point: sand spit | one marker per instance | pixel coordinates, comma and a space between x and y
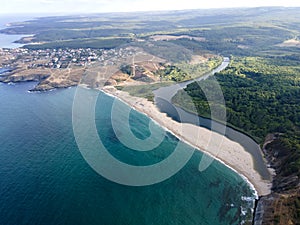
229, 152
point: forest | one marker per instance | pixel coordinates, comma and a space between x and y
261, 85
224, 31
262, 97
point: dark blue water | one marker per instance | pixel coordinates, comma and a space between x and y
45, 180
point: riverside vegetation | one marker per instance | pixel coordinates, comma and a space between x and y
261, 86
262, 98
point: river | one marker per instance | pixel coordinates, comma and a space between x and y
163, 97
45, 179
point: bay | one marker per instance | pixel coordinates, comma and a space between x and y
45, 180
7, 41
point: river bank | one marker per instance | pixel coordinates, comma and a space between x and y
163, 100
229, 152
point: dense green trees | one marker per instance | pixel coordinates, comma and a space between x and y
107, 43
262, 96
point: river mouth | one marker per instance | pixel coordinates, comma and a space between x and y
47, 187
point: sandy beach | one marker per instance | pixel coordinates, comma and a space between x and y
223, 149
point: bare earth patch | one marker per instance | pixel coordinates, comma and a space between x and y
290, 43
173, 37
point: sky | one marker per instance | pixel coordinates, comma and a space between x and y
92, 6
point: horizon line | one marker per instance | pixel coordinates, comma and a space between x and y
138, 11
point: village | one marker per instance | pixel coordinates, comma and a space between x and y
60, 68
59, 58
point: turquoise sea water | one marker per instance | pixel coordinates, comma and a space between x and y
45, 180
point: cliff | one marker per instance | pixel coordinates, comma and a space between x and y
282, 206
47, 78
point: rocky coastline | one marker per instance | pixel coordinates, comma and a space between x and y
276, 206
280, 206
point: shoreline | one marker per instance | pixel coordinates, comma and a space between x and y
220, 122
235, 156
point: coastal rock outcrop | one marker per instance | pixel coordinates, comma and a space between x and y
23, 78
282, 205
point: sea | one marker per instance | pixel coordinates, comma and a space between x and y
46, 180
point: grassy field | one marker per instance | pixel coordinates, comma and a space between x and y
257, 31
261, 86
144, 91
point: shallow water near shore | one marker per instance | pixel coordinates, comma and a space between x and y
45, 180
